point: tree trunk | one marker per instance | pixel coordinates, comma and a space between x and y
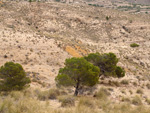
77, 89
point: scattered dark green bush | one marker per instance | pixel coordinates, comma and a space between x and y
13, 77
134, 45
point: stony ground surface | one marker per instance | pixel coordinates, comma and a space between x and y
40, 36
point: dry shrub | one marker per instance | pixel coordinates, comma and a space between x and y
125, 99
139, 91
148, 86
67, 101
102, 94
136, 100
86, 102
125, 82
49, 94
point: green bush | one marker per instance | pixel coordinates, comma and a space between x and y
119, 72
78, 72
13, 77
134, 45
108, 17
107, 63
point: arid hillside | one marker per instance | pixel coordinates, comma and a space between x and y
40, 36
146, 2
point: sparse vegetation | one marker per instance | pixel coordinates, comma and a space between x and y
40, 35
134, 45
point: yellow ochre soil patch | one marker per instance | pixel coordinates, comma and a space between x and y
72, 51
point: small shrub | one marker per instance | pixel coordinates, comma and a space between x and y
148, 101
130, 91
125, 99
102, 94
134, 45
125, 82
114, 83
148, 86
134, 83
67, 102
139, 91
123, 91
42, 95
86, 102
108, 17
136, 100
120, 72
49, 94
53, 93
